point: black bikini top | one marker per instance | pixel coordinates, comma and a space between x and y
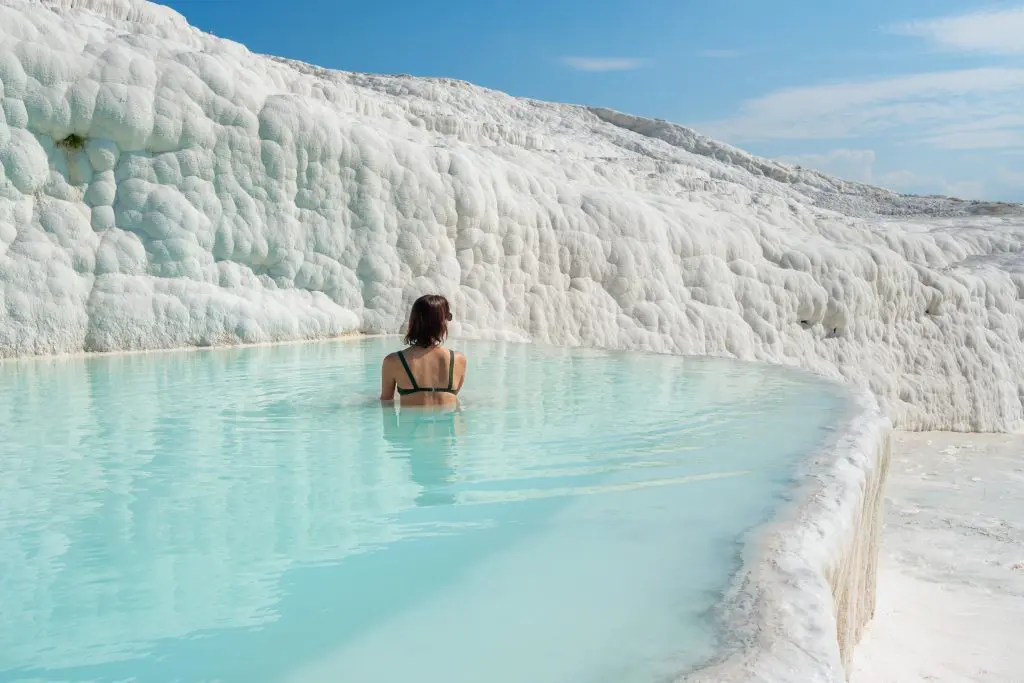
450, 389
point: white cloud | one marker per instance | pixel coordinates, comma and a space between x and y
966, 189
1011, 178
992, 31
922, 106
979, 139
901, 181
849, 164
859, 165
1003, 132
915, 183
976, 113
603, 63
719, 54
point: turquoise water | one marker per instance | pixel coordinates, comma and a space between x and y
256, 515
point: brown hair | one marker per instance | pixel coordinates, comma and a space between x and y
428, 321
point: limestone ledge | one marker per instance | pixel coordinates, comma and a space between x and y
807, 587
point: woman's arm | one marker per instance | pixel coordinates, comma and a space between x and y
387, 380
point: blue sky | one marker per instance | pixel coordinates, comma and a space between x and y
918, 95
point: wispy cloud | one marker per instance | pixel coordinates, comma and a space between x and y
859, 165
996, 138
914, 183
849, 164
972, 117
1011, 177
970, 108
719, 54
901, 181
604, 63
991, 31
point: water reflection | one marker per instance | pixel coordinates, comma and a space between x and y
427, 439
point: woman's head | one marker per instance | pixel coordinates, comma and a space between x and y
428, 321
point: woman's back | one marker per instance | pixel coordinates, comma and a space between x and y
426, 376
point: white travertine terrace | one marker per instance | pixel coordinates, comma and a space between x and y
807, 588
160, 187
215, 196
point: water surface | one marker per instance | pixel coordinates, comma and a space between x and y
255, 515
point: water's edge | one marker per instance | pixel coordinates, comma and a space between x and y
806, 589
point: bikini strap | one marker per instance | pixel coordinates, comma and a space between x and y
451, 370
401, 357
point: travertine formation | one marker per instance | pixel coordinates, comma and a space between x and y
807, 588
161, 187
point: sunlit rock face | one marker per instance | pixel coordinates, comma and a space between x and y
160, 187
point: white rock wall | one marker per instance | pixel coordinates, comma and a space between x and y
220, 197
807, 588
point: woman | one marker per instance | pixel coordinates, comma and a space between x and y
425, 373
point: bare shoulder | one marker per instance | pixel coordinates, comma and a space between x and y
391, 358
460, 357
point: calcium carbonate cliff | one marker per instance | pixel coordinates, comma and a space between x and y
160, 187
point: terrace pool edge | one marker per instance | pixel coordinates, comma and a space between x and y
806, 590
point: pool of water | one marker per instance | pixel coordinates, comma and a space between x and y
255, 515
